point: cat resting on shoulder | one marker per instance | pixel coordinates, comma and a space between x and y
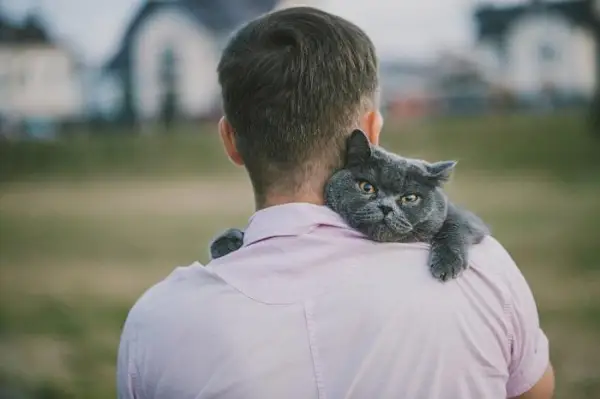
390, 198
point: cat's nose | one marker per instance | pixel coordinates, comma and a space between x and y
385, 209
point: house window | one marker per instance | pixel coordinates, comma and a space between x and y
22, 78
169, 86
4, 92
168, 66
547, 53
3, 80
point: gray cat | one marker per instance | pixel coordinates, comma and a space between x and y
394, 199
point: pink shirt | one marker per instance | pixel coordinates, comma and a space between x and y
309, 308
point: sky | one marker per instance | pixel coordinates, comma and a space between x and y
412, 29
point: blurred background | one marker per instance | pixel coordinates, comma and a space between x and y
111, 173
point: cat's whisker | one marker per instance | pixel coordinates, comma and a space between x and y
399, 225
366, 215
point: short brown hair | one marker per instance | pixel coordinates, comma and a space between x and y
294, 83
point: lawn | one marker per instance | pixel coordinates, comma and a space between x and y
87, 224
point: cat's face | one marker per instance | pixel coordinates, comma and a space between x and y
387, 197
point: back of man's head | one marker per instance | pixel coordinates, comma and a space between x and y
294, 84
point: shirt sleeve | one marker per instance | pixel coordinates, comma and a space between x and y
126, 370
529, 349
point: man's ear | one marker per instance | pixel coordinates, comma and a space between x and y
440, 171
228, 139
358, 148
371, 124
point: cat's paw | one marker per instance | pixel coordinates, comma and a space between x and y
230, 241
447, 263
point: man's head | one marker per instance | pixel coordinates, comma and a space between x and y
295, 83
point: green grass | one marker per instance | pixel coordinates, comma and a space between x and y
85, 230
560, 145
100, 155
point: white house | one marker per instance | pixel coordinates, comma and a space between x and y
537, 48
168, 57
38, 78
401, 78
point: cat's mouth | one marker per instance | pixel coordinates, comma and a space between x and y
389, 230
398, 225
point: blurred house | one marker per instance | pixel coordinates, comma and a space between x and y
459, 86
166, 63
450, 84
406, 90
541, 52
39, 83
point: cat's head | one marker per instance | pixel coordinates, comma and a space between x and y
385, 196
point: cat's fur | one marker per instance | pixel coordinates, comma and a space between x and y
379, 212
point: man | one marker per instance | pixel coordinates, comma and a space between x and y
309, 308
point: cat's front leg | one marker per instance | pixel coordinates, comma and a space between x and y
449, 247
231, 240
448, 258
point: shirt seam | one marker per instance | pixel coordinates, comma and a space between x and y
214, 271
526, 386
136, 375
130, 339
507, 310
314, 350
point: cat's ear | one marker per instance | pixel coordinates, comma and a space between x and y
358, 148
440, 171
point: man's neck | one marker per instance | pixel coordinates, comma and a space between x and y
274, 199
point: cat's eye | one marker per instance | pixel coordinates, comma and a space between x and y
410, 198
366, 187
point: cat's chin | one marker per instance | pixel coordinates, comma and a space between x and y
399, 228
384, 233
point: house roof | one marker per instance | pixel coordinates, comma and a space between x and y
493, 22
31, 31
392, 67
220, 17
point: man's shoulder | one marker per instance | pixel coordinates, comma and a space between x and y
184, 285
491, 256
492, 270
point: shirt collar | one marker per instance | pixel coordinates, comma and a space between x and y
289, 220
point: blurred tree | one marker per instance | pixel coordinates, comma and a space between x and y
169, 88
595, 112
595, 108
127, 113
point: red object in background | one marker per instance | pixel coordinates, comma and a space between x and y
409, 107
